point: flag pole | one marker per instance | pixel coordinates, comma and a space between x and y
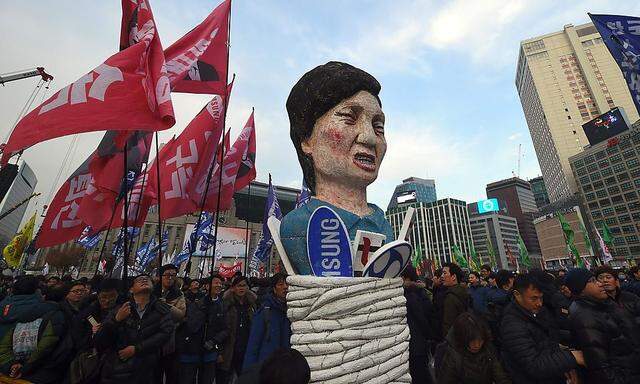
246, 234
159, 202
125, 222
224, 124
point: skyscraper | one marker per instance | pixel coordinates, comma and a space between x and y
516, 199
496, 230
438, 227
21, 188
413, 189
565, 79
539, 190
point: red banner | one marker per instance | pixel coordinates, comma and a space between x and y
197, 63
230, 167
230, 270
62, 224
129, 91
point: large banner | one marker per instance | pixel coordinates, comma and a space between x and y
231, 243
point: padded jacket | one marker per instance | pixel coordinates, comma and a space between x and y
609, 340
530, 350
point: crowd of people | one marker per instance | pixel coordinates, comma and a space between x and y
575, 326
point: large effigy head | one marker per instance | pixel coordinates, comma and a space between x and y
337, 125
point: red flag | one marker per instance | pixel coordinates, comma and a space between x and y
237, 157
107, 169
247, 168
197, 63
139, 202
61, 223
512, 259
129, 91
188, 155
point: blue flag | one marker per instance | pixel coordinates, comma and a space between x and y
272, 208
304, 196
89, 242
118, 246
621, 35
149, 251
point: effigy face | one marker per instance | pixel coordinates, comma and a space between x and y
348, 144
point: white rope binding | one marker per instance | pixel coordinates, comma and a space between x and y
350, 330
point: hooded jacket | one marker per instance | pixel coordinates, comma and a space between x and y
530, 350
270, 330
456, 301
40, 365
463, 367
609, 340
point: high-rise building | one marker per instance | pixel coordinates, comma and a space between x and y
516, 198
608, 176
539, 190
553, 240
492, 228
22, 186
437, 227
565, 79
413, 189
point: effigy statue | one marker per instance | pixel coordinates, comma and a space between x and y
345, 300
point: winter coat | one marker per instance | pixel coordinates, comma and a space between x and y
479, 297
203, 315
232, 309
463, 367
419, 317
632, 286
609, 340
439, 293
630, 303
41, 366
456, 301
530, 350
497, 300
147, 334
559, 304
270, 330
174, 298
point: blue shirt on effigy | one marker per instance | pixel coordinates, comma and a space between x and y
293, 230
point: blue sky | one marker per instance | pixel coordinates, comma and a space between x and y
446, 67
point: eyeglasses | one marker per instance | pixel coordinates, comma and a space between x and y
169, 275
77, 291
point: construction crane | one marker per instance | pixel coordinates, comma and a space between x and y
24, 74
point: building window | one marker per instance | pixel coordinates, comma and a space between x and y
601, 155
630, 196
632, 239
621, 209
581, 171
618, 167
605, 202
589, 196
603, 163
592, 167
635, 173
584, 180
616, 158
632, 163
628, 229
601, 193
625, 218
596, 176
596, 214
623, 176
634, 206
594, 205
598, 184
607, 211
588, 188
611, 221
606, 172
626, 186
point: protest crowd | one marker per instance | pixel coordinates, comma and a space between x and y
575, 326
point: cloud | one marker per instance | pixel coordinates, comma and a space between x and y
515, 136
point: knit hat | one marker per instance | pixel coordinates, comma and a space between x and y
576, 279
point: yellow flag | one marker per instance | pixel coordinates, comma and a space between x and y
13, 251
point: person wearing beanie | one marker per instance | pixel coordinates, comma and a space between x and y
337, 129
607, 336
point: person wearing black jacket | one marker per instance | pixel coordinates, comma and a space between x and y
200, 340
419, 313
134, 336
625, 300
530, 350
83, 328
606, 333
